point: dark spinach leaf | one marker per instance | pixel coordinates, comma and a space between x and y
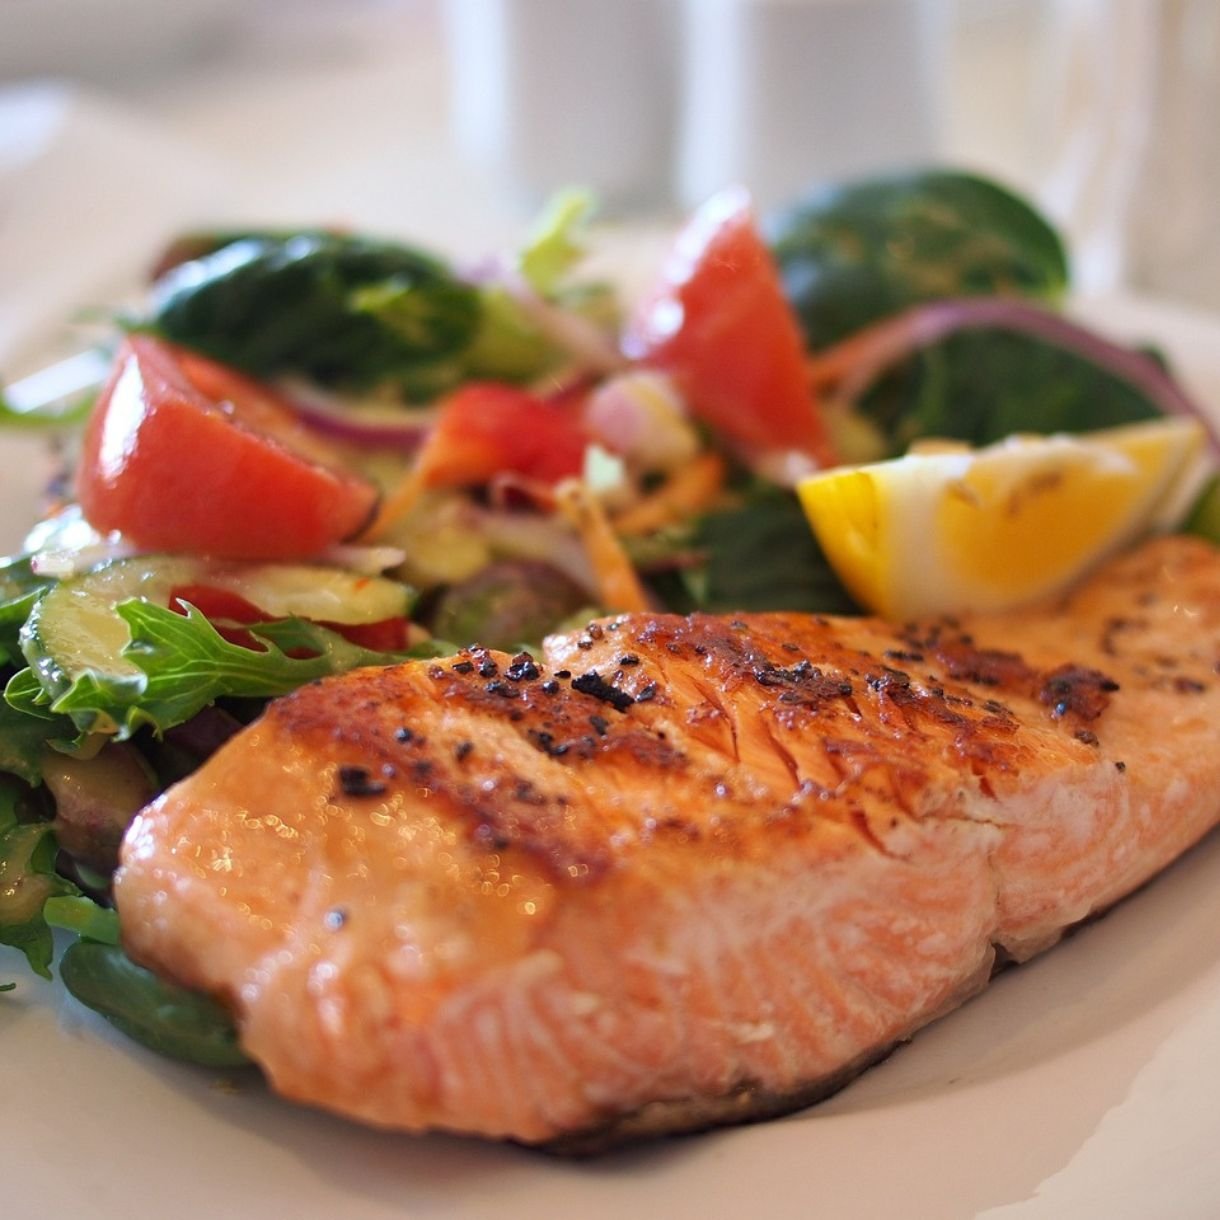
161, 1015
856, 253
1204, 518
344, 310
983, 385
760, 555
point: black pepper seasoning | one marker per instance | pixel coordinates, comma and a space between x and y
356, 781
522, 669
592, 683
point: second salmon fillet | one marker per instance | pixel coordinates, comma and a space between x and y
689, 871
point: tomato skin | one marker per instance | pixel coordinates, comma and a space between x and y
388, 635
183, 454
216, 604
718, 323
487, 428
227, 610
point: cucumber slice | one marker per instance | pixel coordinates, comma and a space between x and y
323, 595
74, 629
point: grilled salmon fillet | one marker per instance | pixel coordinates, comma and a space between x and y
689, 870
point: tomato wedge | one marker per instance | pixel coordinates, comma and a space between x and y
719, 325
184, 454
488, 428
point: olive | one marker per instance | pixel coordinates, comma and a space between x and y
507, 604
96, 799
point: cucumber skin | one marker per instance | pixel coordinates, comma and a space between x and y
74, 632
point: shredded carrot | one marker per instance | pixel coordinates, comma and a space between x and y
618, 586
826, 370
847, 367
690, 490
396, 504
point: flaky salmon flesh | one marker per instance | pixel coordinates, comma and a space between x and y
686, 871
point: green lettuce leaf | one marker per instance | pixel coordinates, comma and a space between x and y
556, 243
24, 738
508, 345
27, 880
20, 588
80, 914
185, 665
57, 416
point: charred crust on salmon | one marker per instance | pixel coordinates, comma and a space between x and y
1078, 691
1188, 686
356, 781
522, 668
806, 683
593, 684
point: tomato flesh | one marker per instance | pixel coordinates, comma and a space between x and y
183, 454
487, 428
718, 323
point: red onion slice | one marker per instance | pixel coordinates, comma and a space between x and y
581, 339
854, 364
364, 433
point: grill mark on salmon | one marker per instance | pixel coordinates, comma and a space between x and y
572, 915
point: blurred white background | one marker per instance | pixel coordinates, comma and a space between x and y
447, 120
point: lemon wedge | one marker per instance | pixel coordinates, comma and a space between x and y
952, 529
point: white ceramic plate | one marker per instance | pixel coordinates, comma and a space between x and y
1083, 1085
